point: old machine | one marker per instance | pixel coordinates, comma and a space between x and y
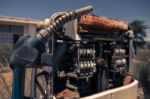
79, 54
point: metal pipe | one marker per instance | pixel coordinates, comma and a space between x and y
33, 84
131, 35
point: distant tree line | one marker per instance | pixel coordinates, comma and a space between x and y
139, 28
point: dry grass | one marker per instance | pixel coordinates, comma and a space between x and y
141, 70
5, 83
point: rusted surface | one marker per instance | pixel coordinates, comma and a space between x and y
127, 80
101, 23
67, 94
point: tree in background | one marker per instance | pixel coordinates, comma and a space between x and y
139, 29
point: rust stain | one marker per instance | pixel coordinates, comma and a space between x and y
98, 22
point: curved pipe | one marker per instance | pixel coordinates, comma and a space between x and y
43, 35
123, 92
53, 17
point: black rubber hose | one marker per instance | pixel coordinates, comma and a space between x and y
44, 34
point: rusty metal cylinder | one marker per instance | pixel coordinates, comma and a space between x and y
102, 23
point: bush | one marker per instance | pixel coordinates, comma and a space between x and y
141, 69
5, 52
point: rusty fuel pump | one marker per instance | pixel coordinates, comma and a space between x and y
83, 54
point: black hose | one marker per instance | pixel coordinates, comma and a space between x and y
44, 34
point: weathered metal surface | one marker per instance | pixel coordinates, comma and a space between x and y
101, 23
125, 92
68, 94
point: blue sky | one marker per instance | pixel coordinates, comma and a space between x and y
126, 10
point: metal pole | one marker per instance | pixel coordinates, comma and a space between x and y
18, 83
33, 84
99, 70
131, 35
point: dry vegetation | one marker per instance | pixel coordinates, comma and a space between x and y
5, 82
141, 70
